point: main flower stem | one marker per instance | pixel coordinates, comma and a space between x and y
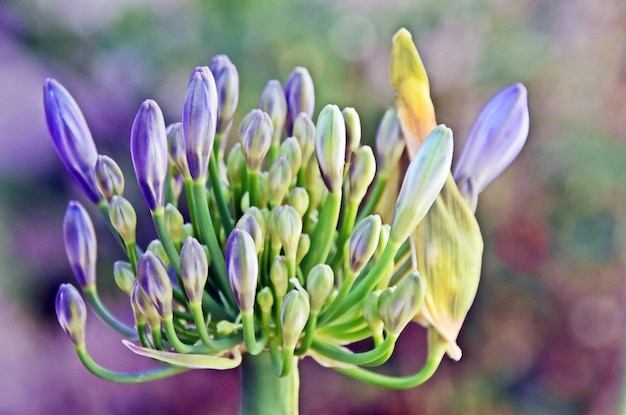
263, 392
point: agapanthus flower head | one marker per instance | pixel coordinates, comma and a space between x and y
494, 141
227, 86
300, 95
71, 137
200, 120
148, 148
80, 243
71, 313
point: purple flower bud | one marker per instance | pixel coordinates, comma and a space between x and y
242, 267
422, 183
496, 138
300, 94
143, 309
330, 146
155, 282
249, 224
353, 131
279, 179
176, 145
227, 87
256, 138
363, 242
71, 137
273, 102
194, 269
109, 177
71, 313
80, 243
362, 172
148, 148
304, 131
389, 140
199, 121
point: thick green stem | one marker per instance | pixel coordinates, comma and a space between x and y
263, 392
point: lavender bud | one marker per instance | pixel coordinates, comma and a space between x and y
402, 304
363, 242
273, 102
390, 143
123, 218
362, 172
227, 86
174, 222
422, 183
242, 267
304, 131
496, 138
148, 147
299, 199
194, 269
290, 149
71, 313
300, 95
249, 224
256, 138
176, 146
143, 309
80, 243
279, 275
109, 177
199, 121
124, 276
71, 137
156, 247
353, 131
330, 147
279, 179
155, 282
319, 285
293, 317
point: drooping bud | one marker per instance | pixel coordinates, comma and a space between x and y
402, 304
363, 242
422, 183
174, 222
199, 121
390, 143
256, 137
71, 313
80, 243
353, 131
290, 149
227, 86
293, 317
279, 275
279, 179
148, 147
273, 102
304, 131
124, 276
319, 285
109, 177
362, 172
300, 95
71, 137
155, 282
242, 267
123, 218
194, 269
496, 138
249, 224
299, 199
176, 144
330, 146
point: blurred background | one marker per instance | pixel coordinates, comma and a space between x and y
546, 333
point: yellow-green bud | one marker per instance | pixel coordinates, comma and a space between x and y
293, 317
330, 147
279, 275
304, 245
124, 276
353, 131
249, 224
71, 313
156, 247
174, 222
256, 138
236, 166
362, 172
265, 299
279, 180
304, 132
290, 149
288, 227
123, 218
370, 311
109, 177
401, 303
194, 269
319, 285
299, 199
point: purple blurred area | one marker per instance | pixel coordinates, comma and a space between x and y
546, 333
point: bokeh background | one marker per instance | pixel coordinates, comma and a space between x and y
546, 334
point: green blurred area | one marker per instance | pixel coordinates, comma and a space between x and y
545, 335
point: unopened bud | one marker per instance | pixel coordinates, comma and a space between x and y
79, 236
299, 199
363, 242
265, 299
279, 179
402, 303
279, 275
353, 131
249, 224
109, 177
242, 267
174, 222
227, 86
123, 218
319, 285
124, 276
370, 311
71, 313
390, 143
155, 282
194, 269
156, 247
176, 145
256, 138
290, 149
330, 146
273, 102
304, 245
293, 317
304, 132
362, 172
300, 95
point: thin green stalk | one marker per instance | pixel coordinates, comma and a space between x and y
92, 297
324, 232
253, 345
349, 279
253, 188
158, 216
216, 183
371, 357
347, 225
124, 377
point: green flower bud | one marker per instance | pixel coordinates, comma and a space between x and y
249, 224
187, 231
236, 166
422, 183
353, 131
288, 227
124, 276
109, 177
399, 307
382, 241
363, 242
156, 247
279, 179
370, 311
299, 199
256, 138
279, 275
389, 140
242, 267
290, 149
71, 313
319, 285
194, 269
304, 245
265, 299
362, 172
304, 132
330, 147
293, 317
174, 222
123, 218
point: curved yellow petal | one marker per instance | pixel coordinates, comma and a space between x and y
193, 361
